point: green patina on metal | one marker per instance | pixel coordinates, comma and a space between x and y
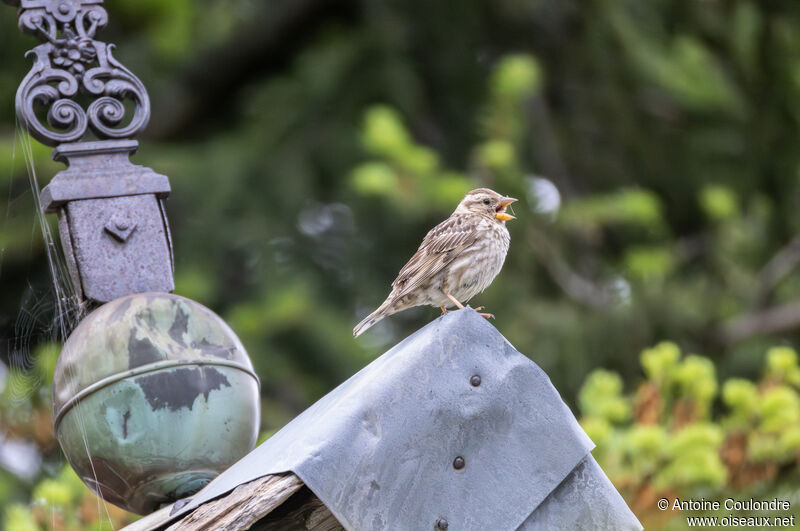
151, 367
154, 396
181, 387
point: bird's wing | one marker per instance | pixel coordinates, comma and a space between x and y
440, 246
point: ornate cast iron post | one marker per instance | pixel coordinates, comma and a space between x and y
111, 216
153, 394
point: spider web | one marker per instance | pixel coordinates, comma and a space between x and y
46, 314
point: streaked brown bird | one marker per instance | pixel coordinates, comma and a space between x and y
458, 259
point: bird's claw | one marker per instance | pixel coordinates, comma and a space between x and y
485, 315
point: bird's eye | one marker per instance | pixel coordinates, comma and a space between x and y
487, 202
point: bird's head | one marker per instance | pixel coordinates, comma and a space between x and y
485, 202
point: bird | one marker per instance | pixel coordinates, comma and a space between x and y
456, 260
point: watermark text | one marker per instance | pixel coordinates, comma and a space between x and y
749, 505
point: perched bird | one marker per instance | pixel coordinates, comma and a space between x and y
458, 259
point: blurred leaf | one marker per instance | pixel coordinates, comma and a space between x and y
681, 66
600, 397
630, 206
719, 202
384, 132
516, 76
649, 263
661, 362
19, 518
374, 178
496, 154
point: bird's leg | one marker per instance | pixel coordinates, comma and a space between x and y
455, 301
485, 315
461, 307
444, 310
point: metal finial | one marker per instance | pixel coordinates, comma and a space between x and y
71, 62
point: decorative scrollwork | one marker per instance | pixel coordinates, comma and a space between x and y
70, 62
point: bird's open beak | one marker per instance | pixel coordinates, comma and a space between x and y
501, 209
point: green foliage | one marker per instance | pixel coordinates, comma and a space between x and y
405, 170
309, 150
681, 65
660, 363
638, 208
649, 263
697, 381
719, 202
375, 178
644, 448
778, 408
516, 77
51, 492
514, 80
385, 134
598, 429
19, 518
681, 449
693, 459
782, 365
741, 398
64, 503
601, 397
496, 154
168, 24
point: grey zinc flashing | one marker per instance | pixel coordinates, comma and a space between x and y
585, 501
380, 450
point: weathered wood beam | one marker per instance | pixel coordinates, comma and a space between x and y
275, 502
243, 507
302, 512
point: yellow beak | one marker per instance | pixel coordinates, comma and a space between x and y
501, 209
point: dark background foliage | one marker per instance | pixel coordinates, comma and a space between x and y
311, 144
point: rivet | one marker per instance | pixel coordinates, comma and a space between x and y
441, 523
475, 380
63, 8
122, 225
458, 463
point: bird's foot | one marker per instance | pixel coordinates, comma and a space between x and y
485, 315
444, 310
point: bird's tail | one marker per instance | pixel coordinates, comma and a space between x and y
371, 319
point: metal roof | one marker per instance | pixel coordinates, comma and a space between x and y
453, 424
